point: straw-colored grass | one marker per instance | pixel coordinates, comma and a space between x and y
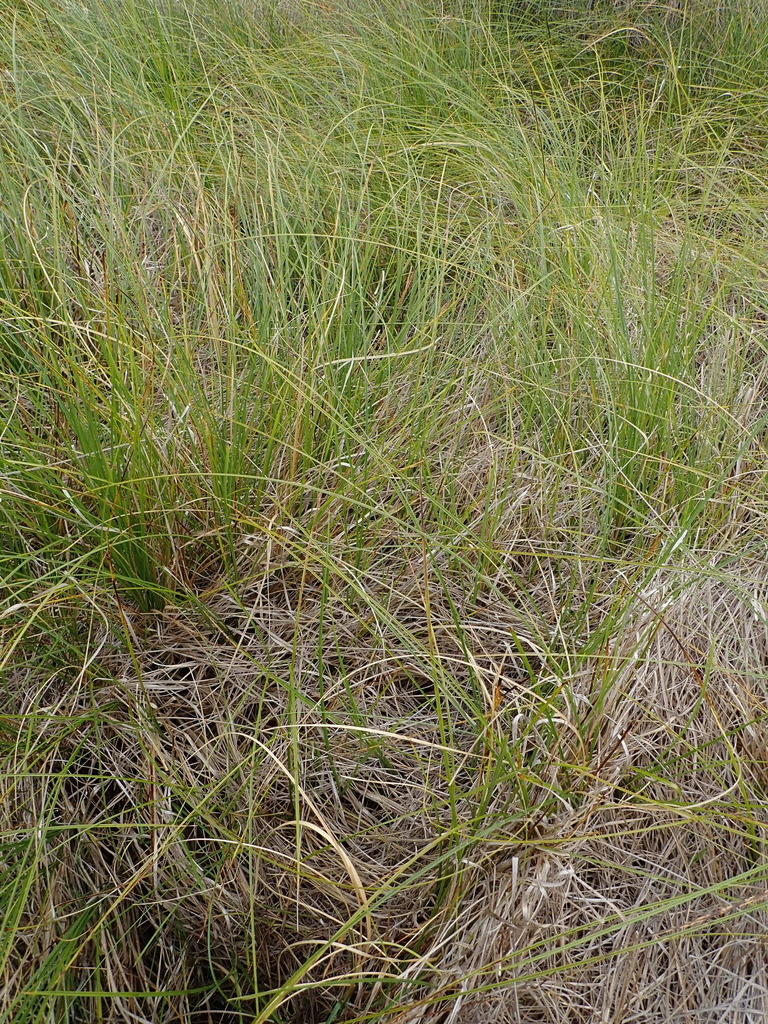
383, 506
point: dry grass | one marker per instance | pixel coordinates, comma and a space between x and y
592, 847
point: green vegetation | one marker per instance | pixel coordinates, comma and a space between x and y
383, 512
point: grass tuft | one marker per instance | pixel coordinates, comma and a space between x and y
384, 603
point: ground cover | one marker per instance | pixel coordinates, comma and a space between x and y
383, 512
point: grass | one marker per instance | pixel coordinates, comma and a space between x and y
384, 620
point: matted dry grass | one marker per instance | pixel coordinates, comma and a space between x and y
580, 854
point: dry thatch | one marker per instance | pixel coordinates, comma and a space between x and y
273, 779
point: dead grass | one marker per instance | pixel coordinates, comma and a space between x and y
589, 847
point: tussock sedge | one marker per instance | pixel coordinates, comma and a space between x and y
383, 504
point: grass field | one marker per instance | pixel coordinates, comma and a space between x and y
383, 512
